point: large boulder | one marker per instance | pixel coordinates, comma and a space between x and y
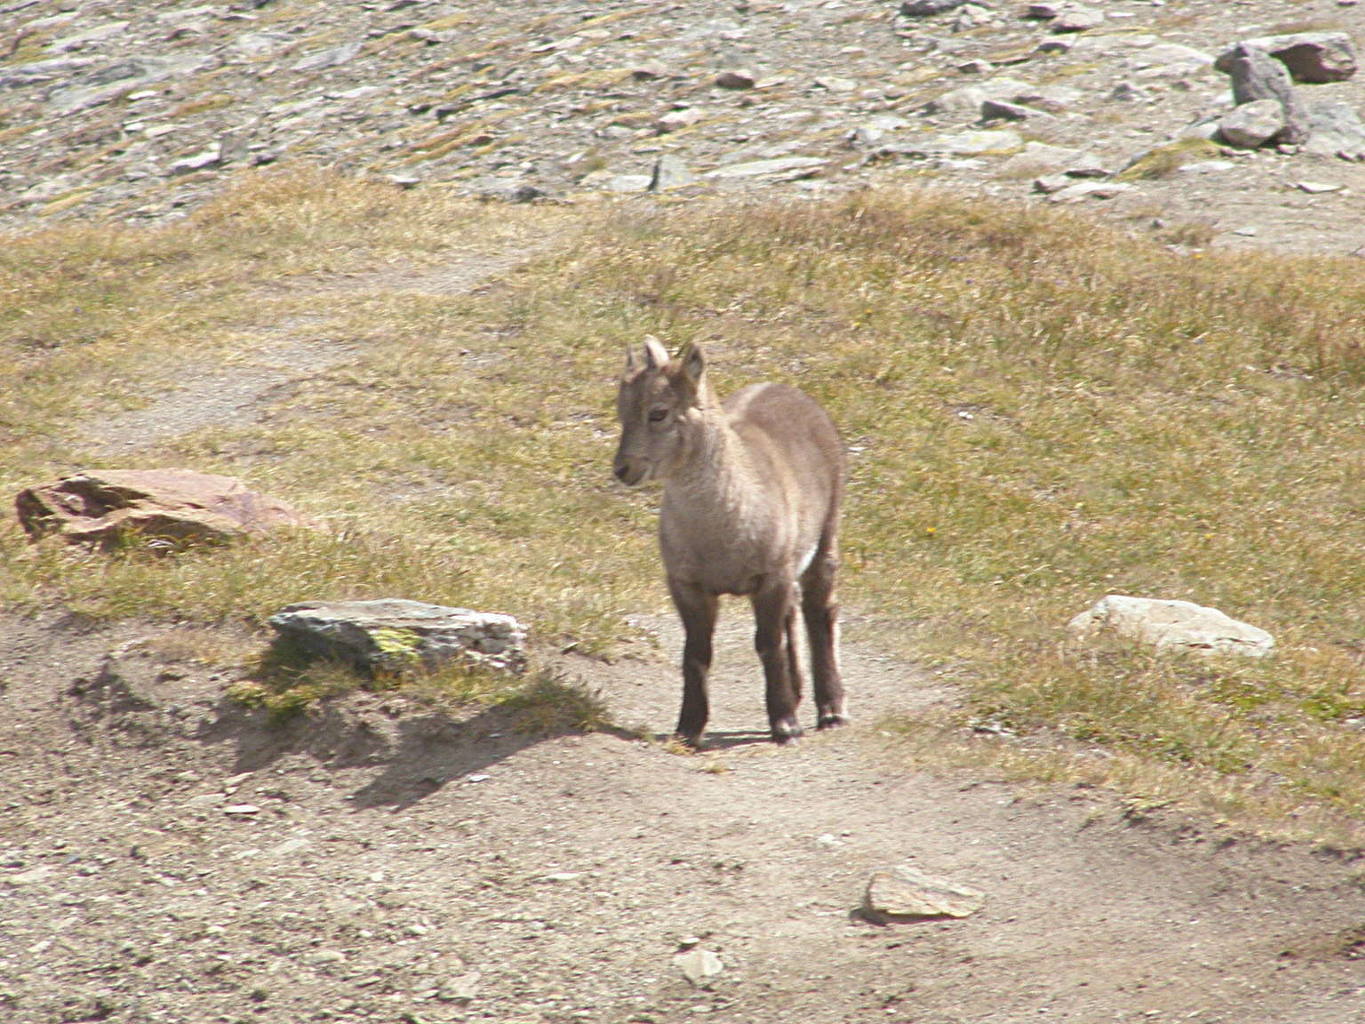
167, 508
1258, 76
1313, 57
395, 636
1171, 626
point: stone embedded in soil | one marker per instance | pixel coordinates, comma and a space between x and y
175, 506
462, 989
699, 966
399, 636
1335, 130
901, 893
1252, 124
1176, 626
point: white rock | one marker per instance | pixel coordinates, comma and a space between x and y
1084, 190
1317, 188
903, 893
462, 989
1253, 124
1172, 626
784, 165
699, 966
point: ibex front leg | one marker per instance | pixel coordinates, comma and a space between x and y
775, 622
697, 609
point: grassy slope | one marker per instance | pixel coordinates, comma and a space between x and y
1042, 411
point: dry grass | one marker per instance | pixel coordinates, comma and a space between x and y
1041, 412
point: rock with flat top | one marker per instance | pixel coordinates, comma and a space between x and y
166, 508
395, 636
1175, 626
901, 894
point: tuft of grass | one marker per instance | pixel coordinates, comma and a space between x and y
1163, 161
550, 704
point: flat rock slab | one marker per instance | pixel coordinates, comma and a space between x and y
1172, 626
399, 636
178, 506
902, 894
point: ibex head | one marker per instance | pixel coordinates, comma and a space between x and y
659, 405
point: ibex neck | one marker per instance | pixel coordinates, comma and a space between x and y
714, 470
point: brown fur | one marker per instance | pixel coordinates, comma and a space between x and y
752, 494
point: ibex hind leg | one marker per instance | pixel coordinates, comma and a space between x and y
774, 622
697, 610
821, 611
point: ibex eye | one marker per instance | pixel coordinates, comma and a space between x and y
656, 415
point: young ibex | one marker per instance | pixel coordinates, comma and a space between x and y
752, 489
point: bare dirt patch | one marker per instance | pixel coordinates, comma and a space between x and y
171, 857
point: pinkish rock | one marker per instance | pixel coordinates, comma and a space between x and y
179, 506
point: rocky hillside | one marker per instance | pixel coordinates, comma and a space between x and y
139, 111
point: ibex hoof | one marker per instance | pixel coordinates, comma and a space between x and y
785, 735
690, 741
833, 721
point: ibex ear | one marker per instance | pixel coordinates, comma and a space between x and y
655, 354
693, 362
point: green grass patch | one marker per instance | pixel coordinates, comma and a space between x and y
1040, 411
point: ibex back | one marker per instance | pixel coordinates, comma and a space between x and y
752, 490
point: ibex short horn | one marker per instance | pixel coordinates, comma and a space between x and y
752, 491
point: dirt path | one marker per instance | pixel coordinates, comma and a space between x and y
400, 866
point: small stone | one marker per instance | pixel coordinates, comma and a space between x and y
1317, 188
699, 966
32, 876
203, 160
1000, 110
1077, 18
1083, 190
925, 8
241, 810
1048, 184
460, 990
837, 85
790, 166
902, 893
329, 58
736, 79
676, 120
